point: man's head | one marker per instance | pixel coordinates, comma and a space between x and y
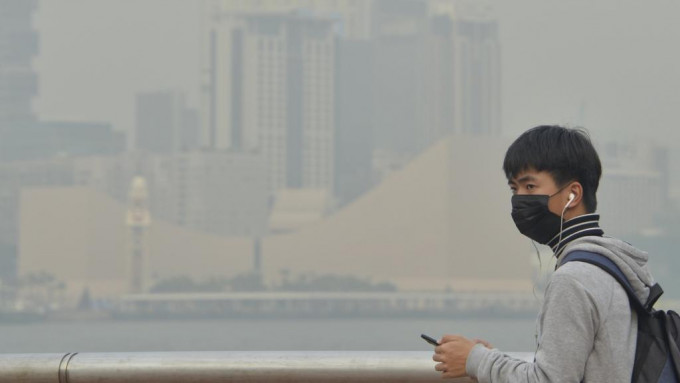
555, 161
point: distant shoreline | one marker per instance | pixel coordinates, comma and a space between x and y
309, 305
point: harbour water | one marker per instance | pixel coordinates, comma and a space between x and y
399, 334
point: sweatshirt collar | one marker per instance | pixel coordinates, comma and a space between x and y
577, 227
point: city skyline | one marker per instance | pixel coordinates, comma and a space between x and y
307, 110
554, 70
520, 24
292, 174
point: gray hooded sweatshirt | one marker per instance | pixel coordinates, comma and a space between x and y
586, 329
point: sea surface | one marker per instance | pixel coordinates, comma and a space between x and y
398, 334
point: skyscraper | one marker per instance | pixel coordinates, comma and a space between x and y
406, 73
271, 90
478, 73
413, 80
354, 14
353, 142
18, 46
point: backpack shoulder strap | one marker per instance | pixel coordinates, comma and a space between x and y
610, 267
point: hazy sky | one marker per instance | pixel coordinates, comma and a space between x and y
610, 64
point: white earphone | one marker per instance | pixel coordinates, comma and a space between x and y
571, 198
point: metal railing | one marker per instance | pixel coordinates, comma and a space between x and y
213, 367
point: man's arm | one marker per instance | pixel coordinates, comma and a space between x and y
568, 325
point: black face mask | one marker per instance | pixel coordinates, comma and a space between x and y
534, 219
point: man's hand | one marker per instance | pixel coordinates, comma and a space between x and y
452, 354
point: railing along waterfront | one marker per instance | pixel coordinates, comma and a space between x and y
213, 367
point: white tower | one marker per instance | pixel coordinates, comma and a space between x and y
138, 220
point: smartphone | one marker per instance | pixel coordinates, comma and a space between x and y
430, 340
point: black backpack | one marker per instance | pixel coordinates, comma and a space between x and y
657, 358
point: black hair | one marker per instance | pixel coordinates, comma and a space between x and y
567, 154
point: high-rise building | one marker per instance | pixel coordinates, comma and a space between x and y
165, 124
354, 141
18, 46
477, 68
406, 73
272, 90
437, 72
413, 82
355, 15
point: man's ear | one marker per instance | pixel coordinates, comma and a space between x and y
577, 190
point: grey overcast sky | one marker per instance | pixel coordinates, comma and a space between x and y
612, 65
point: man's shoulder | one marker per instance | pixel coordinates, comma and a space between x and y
585, 275
577, 270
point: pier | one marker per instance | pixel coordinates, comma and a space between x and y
327, 304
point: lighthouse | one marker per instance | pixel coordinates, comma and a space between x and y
138, 220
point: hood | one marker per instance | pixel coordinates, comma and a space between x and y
631, 261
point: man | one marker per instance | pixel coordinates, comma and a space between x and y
586, 330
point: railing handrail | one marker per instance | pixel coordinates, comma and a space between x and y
231, 366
